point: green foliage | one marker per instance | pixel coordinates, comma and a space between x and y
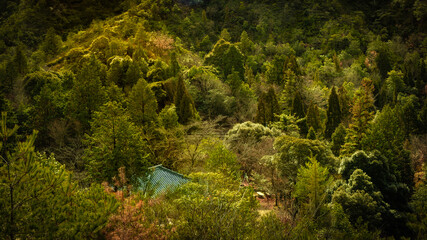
246, 45
40, 200
387, 136
361, 118
168, 117
184, 103
311, 134
287, 124
268, 107
87, 94
310, 189
209, 209
333, 114
338, 139
115, 142
52, 43
360, 200
142, 104
212, 96
419, 206
295, 152
221, 160
378, 168
299, 48
313, 118
226, 57
298, 109
250, 142
394, 84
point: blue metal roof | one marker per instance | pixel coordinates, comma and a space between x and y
161, 179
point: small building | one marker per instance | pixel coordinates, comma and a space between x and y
160, 180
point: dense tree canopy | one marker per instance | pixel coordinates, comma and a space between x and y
289, 119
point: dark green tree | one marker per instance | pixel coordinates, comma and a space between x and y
268, 107
338, 139
115, 142
311, 134
333, 114
40, 200
142, 104
393, 192
298, 109
174, 65
87, 94
226, 57
362, 114
313, 118
52, 43
387, 135
246, 45
184, 103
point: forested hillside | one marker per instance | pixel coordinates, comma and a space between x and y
291, 119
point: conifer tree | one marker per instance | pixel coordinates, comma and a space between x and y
115, 142
311, 186
362, 114
338, 139
292, 64
333, 113
268, 107
87, 94
142, 104
52, 43
245, 45
225, 35
174, 65
311, 134
313, 118
298, 106
184, 103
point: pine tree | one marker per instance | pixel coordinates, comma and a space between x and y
333, 114
338, 139
246, 45
268, 107
225, 35
184, 103
115, 142
52, 43
362, 115
87, 94
313, 118
292, 64
174, 65
142, 104
312, 183
298, 106
311, 134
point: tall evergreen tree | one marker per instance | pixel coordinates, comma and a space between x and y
142, 104
87, 94
184, 103
268, 107
362, 114
333, 114
313, 118
298, 106
311, 186
174, 65
115, 142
